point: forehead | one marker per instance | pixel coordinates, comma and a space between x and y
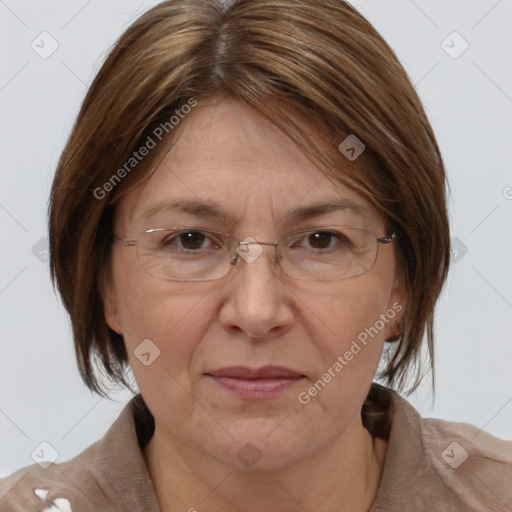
233, 158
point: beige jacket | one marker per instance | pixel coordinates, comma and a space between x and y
431, 465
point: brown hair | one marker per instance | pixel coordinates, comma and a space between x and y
313, 67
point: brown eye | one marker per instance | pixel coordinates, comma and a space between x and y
191, 239
186, 240
320, 239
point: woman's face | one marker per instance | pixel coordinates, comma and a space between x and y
328, 334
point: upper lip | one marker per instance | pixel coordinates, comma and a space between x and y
264, 372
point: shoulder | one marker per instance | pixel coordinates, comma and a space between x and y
36, 487
444, 464
108, 475
470, 462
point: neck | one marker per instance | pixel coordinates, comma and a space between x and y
343, 478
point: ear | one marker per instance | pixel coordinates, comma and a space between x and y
110, 306
398, 295
397, 303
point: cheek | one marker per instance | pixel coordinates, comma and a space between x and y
349, 348
349, 332
172, 316
349, 311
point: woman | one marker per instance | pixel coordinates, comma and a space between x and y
250, 209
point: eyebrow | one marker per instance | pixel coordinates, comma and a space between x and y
208, 209
324, 207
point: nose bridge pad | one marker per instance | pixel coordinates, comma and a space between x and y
250, 250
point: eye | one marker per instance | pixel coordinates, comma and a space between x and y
323, 240
188, 240
320, 239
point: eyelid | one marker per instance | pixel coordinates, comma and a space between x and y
302, 231
322, 228
210, 235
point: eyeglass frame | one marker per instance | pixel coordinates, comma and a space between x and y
132, 242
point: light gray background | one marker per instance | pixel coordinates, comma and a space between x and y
468, 99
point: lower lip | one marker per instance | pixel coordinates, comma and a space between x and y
256, 389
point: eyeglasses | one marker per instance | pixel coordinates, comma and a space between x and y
323, 254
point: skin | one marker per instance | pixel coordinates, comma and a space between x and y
314, 457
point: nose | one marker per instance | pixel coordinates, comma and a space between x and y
258, 301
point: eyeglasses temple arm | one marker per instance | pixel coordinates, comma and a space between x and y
387, 239
126, 242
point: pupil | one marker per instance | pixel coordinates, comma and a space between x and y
320, 240
192, 240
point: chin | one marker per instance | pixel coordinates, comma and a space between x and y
264, 445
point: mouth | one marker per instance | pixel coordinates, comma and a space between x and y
255, 383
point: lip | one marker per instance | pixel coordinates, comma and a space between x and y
264, 372
255, 383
